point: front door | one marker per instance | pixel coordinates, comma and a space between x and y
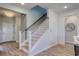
8, 29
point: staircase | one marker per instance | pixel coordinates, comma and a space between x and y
35, 36
42, 28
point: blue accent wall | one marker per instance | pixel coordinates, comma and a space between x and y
34, 14
39, 10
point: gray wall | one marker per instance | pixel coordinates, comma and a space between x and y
53, 19
61, 24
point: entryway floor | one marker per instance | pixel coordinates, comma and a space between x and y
11, 49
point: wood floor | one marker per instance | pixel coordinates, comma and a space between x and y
59, 50
11, 49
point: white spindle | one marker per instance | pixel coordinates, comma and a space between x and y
20, 38
30, 40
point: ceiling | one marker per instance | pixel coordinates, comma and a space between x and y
58, 7
6, 12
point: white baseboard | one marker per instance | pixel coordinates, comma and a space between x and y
43, 49
69, 42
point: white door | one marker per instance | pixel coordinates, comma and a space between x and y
8, 29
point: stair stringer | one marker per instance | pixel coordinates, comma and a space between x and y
43, 43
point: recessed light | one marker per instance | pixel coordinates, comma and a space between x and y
65, 6
9, 13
